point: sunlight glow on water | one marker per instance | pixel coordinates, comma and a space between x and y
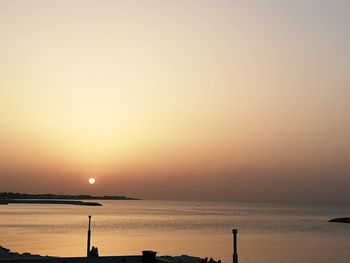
268, 233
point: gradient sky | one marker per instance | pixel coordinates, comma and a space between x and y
190, 100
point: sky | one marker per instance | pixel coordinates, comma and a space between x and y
176, 100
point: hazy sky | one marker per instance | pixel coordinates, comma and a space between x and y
182, 99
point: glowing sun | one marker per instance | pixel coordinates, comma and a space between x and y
92, 180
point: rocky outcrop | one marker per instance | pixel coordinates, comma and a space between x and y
6, 253
340, 220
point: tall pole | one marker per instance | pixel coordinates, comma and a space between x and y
235, 255
88, 238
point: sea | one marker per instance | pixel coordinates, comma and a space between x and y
267, 232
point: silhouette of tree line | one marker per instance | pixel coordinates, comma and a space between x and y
11, 195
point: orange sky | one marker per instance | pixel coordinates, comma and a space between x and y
170, 99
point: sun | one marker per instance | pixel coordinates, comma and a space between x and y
92, 180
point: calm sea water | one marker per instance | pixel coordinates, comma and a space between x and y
268, 233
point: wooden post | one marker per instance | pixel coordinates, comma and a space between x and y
88, 238
235, 255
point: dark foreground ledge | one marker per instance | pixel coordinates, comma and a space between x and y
148, 256
110, 259
47, 202
340, 220
116, 259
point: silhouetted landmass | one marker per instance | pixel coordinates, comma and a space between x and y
6, 253
8, 256
47, 202
11, 195
340, 220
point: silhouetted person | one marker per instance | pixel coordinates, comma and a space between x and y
211, 260
219, 261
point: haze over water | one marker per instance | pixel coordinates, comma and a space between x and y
268, 233
176, 100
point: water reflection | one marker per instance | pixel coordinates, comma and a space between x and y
267, 232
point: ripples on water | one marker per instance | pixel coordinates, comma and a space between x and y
268, 233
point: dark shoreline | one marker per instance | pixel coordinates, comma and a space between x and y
16, 196
345, 220
47, 202
7, 256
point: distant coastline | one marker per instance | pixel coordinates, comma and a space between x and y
47, 202
5, 196
53, 199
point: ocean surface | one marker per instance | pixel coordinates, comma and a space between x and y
268, 233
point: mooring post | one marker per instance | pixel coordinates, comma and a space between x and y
235, 255
88, 238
